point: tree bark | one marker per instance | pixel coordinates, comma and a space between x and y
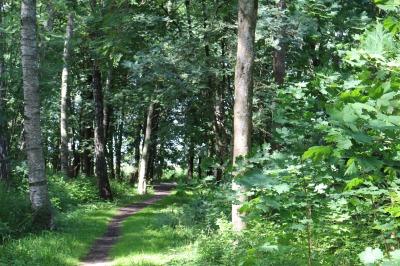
99, 143
4, 172
86, 131
33, 137
279, 55
118, 148
190, 162
189, 18
144, 157
199, 170
243, 96
221, 141
153, 146
109, 128
64, 98
135, 174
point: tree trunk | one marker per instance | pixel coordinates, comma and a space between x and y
3, 122
99, 145
144, 157
279, 55
189, 18
118, 148
221, 142
108, 128
190, 162
110, 152
30, 74
243, 96
87, 162
135, 174
49, 25
153, 146
64, 98
76, 161
86, 130
199, 171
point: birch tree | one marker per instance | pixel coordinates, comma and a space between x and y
33, 137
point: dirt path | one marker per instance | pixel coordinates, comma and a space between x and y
98, 254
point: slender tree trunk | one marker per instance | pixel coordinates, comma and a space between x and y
118, 148
243, 96
135, 174
279, 55
76, 161
99, 143
221, 142
145, 154
108, 128
86, 130
33, 136
199, 171
49, 25
190, 162
64, 98
188, 18
87, 162
153, 145
110, 151
3, 122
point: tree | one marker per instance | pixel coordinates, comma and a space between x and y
33, 137
243, 95
145, 154
99, 141
279, 54
3, 122
64, 97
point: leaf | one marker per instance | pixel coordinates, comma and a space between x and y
268, 247
351, 167
317, 153
256, 178
378, 42
388, 5
370, 256
281, 188
354, 183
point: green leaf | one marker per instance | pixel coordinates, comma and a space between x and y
351, 167
281, 188
354, 183
317, 153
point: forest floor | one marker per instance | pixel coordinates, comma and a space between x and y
99, 252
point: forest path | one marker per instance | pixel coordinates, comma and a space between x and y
98, 254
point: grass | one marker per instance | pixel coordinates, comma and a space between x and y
76, 230
155, 237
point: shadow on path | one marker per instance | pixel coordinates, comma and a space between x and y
98, 254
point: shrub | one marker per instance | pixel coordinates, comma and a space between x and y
15, 212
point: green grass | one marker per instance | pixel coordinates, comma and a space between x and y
76, 231
155, 237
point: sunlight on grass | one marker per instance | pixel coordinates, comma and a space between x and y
154, 237
71, 240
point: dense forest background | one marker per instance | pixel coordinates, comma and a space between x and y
99, 99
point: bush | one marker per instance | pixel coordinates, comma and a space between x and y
15, 213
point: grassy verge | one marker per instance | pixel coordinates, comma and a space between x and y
77, 228
155, 237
